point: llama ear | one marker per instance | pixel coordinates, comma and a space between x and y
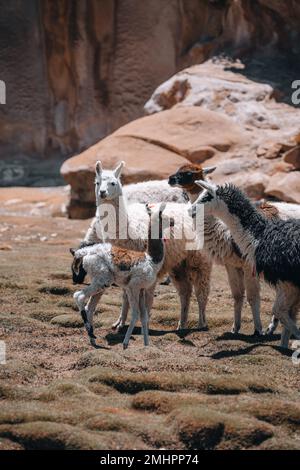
211, 188
208, 169
118, 170
99, 168
72, 251
148, 209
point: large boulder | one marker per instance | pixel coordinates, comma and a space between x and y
153, 147
269, 127
77, 70
293, 157
285, 186
209, 112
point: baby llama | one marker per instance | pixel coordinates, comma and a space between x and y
271, 246
135, 271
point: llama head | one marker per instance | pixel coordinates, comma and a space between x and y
208, 198
186, 176
107, 183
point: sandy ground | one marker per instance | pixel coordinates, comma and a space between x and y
197, 389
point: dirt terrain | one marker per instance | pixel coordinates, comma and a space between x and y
203, 390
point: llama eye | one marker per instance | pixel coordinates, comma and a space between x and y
113, 183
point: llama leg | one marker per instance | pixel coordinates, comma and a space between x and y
286, 333
285, 338
124, 312
286, 296
272, 326
90, 310
236, 282
149, 296
252, 285
80, 299
135, 310
184, 289
142, 305
202, 287
144, 317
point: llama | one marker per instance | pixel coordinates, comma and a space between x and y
186, 268
155, 191
135, 271
221, 246
271, 246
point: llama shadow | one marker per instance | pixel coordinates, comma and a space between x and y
249, 349
117, 338
250, 339
99, 346
187, 342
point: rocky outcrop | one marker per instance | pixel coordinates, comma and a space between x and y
152, 147
293, 157
76, 71
143, 161
284, 186
205, 113
266, 166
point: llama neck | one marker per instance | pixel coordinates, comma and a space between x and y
155, 246
218, 240
245, 223
113, 215
193, 193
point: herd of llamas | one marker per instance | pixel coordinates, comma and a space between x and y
131, 243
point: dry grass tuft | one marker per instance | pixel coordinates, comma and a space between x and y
52, 436
198, 427
165, 402
55, 290
129, 382
202, 427
68, 320
132, 383
105, 358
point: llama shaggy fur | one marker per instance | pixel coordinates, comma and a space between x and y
220, 244
135, 271
271, 246
187, 268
